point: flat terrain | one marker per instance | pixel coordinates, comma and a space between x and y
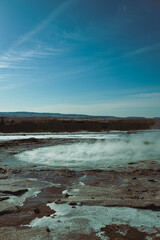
40, 202
46, 124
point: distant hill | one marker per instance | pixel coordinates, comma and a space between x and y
52, 115
60, 115
135, 117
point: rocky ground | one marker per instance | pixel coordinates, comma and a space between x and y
27, 193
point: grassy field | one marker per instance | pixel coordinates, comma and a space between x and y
12, 125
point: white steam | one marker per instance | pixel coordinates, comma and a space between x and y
100, 153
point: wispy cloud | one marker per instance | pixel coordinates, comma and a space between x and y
147, 95
3, 77
76, 35
9, 85
76, 71
143, 50
11, 80
4, 65
14, 55
54, 14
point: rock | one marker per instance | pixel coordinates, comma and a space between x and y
67, 195
15, 193
58, 201
4, 198
72, 203
3, 170
152, 207
32, 140
134, 178
8, 210
4, 176
152, 180
66, 173
16, 170
115, 232
37, 211
47, 229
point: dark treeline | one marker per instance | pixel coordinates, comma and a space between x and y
69, 125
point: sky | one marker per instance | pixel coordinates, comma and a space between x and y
96, 57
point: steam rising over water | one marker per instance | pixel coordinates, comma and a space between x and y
104, 151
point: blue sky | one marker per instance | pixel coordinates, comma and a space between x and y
98, 57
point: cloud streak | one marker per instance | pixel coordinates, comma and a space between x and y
143, 50
147, 95
54, 14
13, 56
